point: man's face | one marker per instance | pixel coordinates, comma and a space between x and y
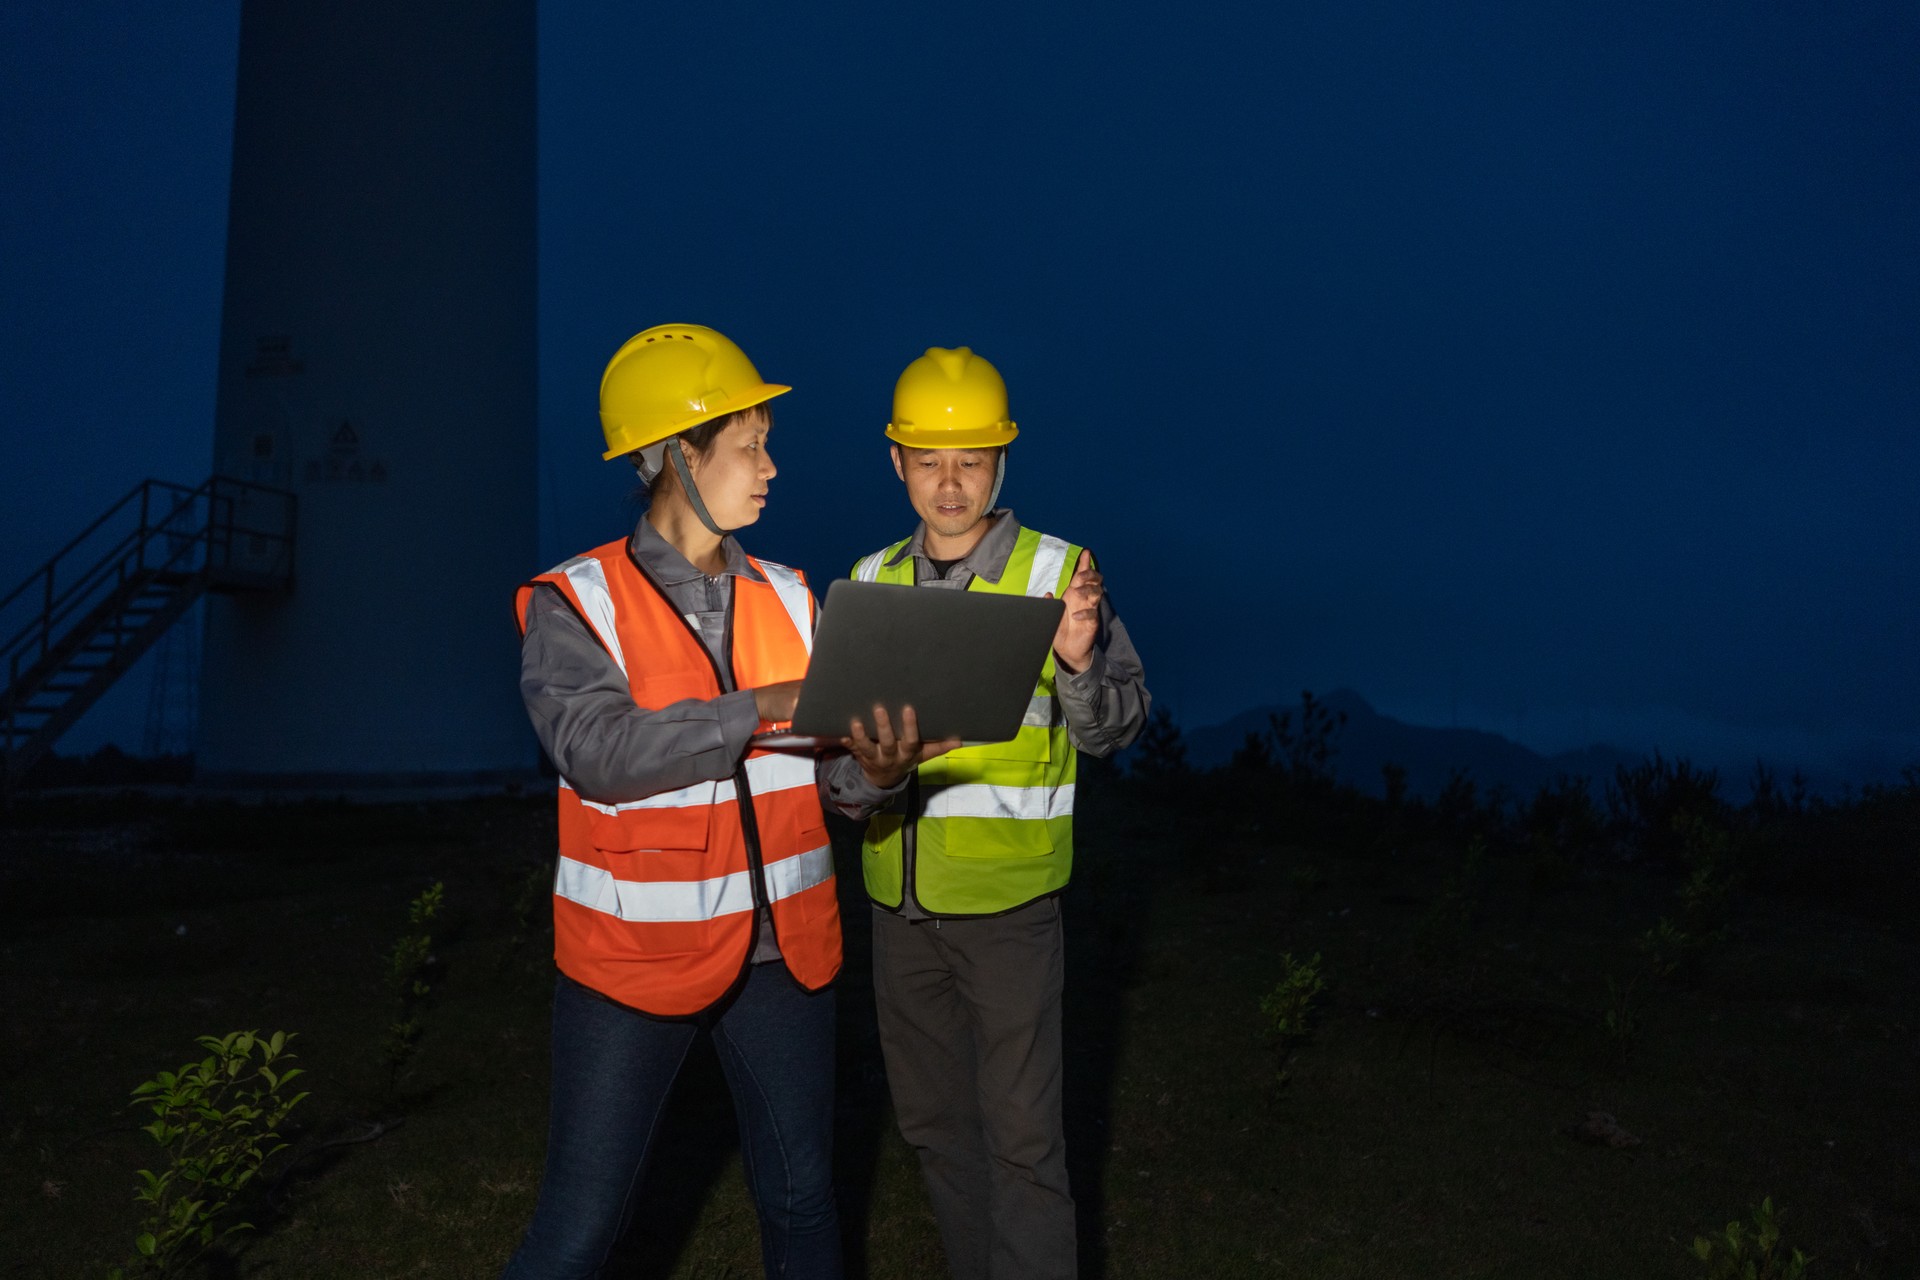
949, 488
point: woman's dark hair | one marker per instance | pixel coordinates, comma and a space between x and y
701, 438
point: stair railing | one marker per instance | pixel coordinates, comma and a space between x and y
158, 530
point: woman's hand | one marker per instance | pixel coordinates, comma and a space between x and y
775, 702
886, 758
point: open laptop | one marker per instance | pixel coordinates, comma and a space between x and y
965, 661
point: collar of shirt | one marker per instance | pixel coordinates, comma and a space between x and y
989, 556
664, 563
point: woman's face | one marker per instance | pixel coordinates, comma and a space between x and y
732, 474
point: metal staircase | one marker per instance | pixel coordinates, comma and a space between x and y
85, 616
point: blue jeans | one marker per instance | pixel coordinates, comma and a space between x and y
613, 1068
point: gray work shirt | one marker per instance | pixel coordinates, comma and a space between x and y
1105, 706
612, 750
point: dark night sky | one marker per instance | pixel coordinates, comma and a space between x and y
1554, 369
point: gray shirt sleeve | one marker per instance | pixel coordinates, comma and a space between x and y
612, 751
846, 789
607, 748
1105, 705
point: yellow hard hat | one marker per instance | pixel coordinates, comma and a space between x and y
671, 377
950, 400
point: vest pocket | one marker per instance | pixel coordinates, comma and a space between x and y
790, 821
672, 820
658, 939
1032, 745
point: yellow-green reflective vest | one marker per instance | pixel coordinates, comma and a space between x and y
992, 824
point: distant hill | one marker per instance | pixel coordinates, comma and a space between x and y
1429, 755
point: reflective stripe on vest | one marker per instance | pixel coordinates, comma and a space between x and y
994, 828
588, 577
655, 901
590, 595
765, 774
655, 898
976, 800
791, 587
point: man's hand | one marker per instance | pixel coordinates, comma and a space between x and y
886, 758
774, 702
1080, 624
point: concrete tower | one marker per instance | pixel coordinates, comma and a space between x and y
377, 358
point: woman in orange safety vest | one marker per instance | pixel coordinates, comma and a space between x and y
694, 890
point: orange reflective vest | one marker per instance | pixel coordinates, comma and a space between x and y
654, 900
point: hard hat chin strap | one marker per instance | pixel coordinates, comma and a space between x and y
677, 455
999, 478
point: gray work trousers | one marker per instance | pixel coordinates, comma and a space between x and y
970, 1026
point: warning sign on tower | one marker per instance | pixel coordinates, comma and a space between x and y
345, 462
273, 358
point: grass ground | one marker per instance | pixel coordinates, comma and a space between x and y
1423, 1131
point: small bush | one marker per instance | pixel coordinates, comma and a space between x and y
1305, 878
1288, 1010
1667, 947
219, 1121
1623, 1014
1706, 848
1755, 1252
532, 899
407, 976
1662, 950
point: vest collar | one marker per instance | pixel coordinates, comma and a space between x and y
666, 566
989, 556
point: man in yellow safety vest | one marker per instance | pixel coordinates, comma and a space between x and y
964, 868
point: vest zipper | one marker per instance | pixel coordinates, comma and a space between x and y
910, 842
749, 820
750, 828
